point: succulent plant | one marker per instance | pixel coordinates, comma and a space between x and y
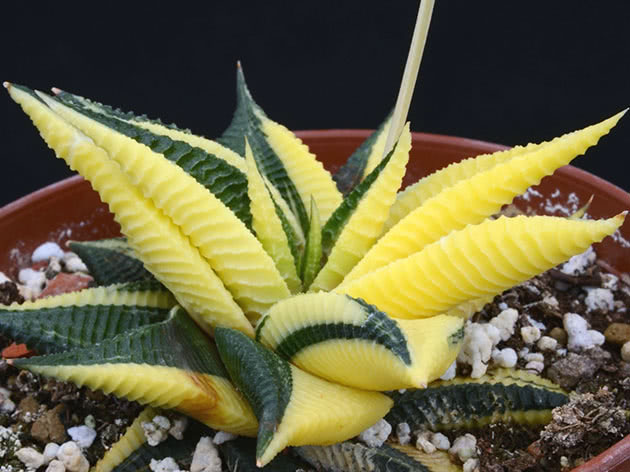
260, 295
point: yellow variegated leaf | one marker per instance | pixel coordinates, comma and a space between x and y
165, 251
287, 212
131, 440
268, 226
348, 342
427, 187
378, 149
307, 173
108, 295
471, 200
211, 147
207, 398
366, 223
321, 412
477, 261
231, 249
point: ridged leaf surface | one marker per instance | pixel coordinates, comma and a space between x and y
268, 226
472, 200
111, 261
171, 364
356, 457
56, 329
467, 403
477, 261
142, 293
292, 406
363, 225
231, 249
332, 336
226, 182
247, 123
165, 251
363, 160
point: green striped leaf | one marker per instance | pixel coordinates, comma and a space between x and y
56, 329
176, 342
264, 379
355, 457
470, 403
240, 456
312, 259
226, 182
181, 450
108, 110
246, 123
335, 224
111, 261
353, 171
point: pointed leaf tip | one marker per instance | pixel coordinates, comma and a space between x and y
6, 85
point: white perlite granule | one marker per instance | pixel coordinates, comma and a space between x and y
376, 434
579, 336
479, 342
47, 250
599, 299
578, 264
206, 457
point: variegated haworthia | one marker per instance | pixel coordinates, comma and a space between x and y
350, 287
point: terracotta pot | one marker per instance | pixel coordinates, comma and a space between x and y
71, 210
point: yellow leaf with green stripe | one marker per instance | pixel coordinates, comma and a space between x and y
268, 226
477, 261
231, 249
166, 252
366, 222
471, 200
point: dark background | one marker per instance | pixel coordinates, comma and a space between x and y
508, 72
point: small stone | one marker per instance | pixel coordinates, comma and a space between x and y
617, 333
28, 408
440, 441
534, 357
505, 357
73, 263
568, 371
580, 337
56, 466
625, 351
47, 250
535, 366
530, 334
9, 292
423, 443
179, 425
33, 280
471, 465
505, 322
464, 447
547, 343
559, 335
48, 427
82, 435
403, 433
376, 434
167, 464
66, 283
162, 421
50, 452
31, 458
599, 299
223, 436
72, 458
206, 457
